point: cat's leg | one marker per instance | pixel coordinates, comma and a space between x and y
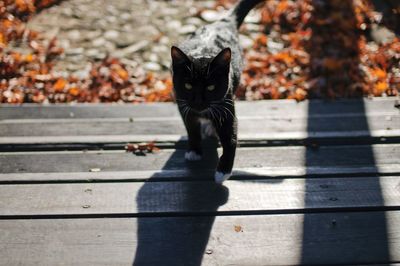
207, 129
193, 128
227, 134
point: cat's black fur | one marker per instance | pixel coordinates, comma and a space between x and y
206, 72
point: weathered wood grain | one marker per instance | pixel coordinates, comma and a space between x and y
258, 139
325, 159
276, 108
155, 198
274, 123
283, 206
247, 126
331, 238
199, 174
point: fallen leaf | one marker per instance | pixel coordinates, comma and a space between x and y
60, 85
238, 228
131, 147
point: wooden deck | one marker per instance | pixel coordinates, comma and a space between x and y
314, 183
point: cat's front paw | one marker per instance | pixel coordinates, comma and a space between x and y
220, 177
192, 156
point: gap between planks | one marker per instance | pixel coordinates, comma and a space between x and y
178, 118
273, 136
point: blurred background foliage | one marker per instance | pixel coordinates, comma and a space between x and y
293, 50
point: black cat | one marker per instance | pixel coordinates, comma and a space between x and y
206, 71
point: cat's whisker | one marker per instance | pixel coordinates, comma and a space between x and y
186, 112
211, 112
227, 109
214, 115
233, 116
228, 100
218, 115
207, 113
229, 103
182, 109
217, 107
223, 101
182, 105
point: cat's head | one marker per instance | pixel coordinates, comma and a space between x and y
200, 81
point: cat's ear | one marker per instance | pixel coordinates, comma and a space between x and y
179, 57
221, 61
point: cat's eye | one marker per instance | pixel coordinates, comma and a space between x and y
188, 86
210, 87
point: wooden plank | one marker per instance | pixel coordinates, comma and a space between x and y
328, 159
87, 110
155, 198
199, 175
355, 238
273, 108
118, 142
247, 126
267, 139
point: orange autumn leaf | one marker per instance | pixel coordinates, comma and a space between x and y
7, 23
285, 57
381, 87
151, 97
74, 91
130, 147
118, 73
379, 73
2, 39
141, 148
238, 228
168, 84
282, 6
25, 6
300, 95
123, 74
29, 58
59, 85
261, 40
16, 56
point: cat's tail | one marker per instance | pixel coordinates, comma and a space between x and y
240, 11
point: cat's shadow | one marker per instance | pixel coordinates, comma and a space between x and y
179, 238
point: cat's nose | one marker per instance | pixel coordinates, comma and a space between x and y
199, 107
197, 99
199, 103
